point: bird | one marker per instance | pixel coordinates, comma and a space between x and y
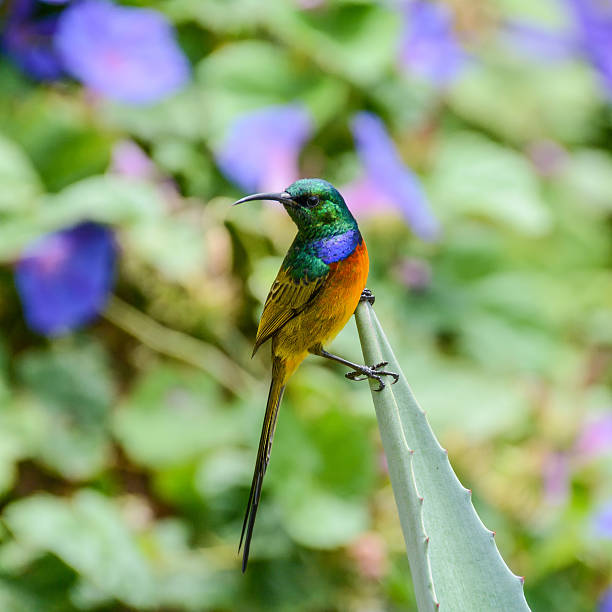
315, 293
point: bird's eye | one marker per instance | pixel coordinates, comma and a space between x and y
312, 200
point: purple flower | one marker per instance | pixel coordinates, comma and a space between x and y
65, 278
602, 521
29, 41
593, 20
413, 273
390, 177
128, 159
429, 46
309, 4
605, 601
534, 41
547, 157
261, 149
366, 199
595, 438
556, 474
127, 54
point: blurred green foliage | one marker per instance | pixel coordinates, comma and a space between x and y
126, 449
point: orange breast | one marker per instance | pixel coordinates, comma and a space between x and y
347, 280
330, 311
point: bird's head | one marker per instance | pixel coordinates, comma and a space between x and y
312, 204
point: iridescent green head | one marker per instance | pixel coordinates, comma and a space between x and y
314, 205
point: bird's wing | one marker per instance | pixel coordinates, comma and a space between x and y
287, 299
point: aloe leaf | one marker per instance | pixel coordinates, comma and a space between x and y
454, 562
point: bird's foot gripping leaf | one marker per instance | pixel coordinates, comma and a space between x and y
360, 372
363, 372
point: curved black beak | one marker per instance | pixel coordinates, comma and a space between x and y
283, 197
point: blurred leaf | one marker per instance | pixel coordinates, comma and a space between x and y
588, 179
174, 246
56, 160
73, 379
4, 382
356, 40
528, 101
74, 390
186, 160
546, 12
46, 595
532, 298
323, 470
222, 470
407, 102
187, 578
39, 431
173, 416
348, 462
10, 452
504, 346
178, 116
59, 135
228, 16
14, 600
20, 187
474, 176
320, 519
599, 326
77, 454
104, 199
243, 76
88, 534
20, 431
476, 420
265, 268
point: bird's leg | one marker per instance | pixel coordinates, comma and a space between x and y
360, 372
367, 296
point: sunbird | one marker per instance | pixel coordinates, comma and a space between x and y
316, 290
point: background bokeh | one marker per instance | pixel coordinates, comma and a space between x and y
473, 141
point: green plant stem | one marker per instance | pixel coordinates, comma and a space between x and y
177, 345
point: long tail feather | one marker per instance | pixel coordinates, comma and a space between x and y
275, 395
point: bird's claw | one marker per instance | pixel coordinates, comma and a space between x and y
373, 372
367, 296
355, 375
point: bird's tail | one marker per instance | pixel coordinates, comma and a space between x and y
277, 387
